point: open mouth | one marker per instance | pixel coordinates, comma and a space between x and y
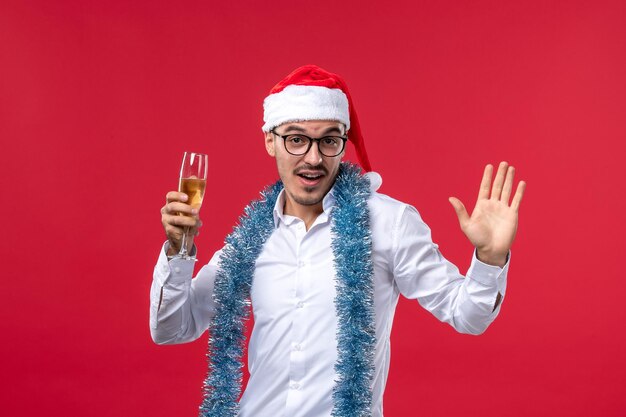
310, 178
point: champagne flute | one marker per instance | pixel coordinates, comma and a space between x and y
193, 173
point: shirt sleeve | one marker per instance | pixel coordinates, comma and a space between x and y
181, 308
469, 304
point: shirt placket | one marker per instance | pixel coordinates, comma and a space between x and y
297, 356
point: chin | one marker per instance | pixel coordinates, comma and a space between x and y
308, 200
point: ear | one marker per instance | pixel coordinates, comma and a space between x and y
270, 143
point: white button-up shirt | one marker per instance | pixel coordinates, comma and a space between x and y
293, 348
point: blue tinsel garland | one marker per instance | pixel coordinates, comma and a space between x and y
354, 303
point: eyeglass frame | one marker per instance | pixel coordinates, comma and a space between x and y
344, 139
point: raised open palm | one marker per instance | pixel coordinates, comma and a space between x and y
491, 227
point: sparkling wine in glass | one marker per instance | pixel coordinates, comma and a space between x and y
193, 172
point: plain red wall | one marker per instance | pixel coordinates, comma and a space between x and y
98, 100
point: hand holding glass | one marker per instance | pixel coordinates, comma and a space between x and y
193, 174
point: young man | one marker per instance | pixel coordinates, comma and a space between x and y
323, 258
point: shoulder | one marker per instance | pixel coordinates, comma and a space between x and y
380, 203
388, 214
384, 207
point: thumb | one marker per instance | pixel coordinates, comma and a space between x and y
460, 210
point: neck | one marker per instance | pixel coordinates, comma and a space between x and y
306, 213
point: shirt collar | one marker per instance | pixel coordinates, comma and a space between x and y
279, 216
327, 203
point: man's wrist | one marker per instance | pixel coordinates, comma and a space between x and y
171, 252
494, 259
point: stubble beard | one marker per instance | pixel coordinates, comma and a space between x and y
307, 200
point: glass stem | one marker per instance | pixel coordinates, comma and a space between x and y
183, 244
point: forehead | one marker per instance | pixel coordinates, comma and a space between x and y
313, 127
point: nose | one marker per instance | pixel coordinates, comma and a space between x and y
313, 156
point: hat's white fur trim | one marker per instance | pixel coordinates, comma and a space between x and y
305, 102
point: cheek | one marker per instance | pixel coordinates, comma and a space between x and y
284, 168
334, 168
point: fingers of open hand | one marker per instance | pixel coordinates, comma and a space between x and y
485, 184
519, 193
508, 185
502, 185
496, 191
460, 210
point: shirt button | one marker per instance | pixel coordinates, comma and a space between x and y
294, 385
297, 346
300, 304
177, 270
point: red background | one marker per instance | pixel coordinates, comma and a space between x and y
98, 100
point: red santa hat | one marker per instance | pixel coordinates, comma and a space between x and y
312, 93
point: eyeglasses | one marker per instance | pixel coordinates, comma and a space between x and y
299, 144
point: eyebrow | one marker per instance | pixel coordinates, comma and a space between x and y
296, 128
332, 129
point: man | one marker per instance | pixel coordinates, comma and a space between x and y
323, 258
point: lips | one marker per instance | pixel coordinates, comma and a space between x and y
309, 177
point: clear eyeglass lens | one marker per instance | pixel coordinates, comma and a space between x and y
297, 144
328, 146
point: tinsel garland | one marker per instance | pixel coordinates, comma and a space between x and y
354, 302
